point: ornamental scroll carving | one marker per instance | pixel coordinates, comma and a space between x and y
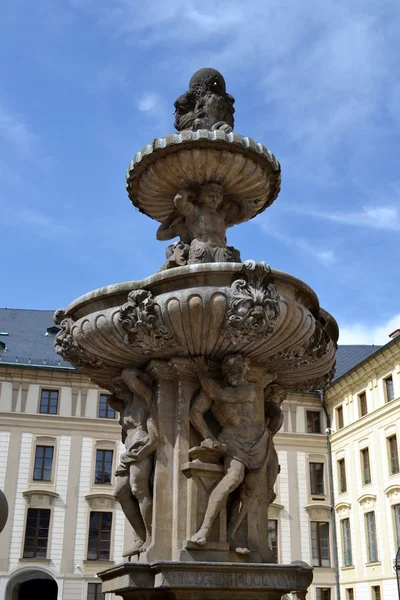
254, 304
141, 320
318, 383
68, 348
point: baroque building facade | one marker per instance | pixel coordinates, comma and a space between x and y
59, 443
364, 402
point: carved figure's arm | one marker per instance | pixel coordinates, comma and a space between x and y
116, 403
231, 395
184, 202
173, 226
201, 405
133, 379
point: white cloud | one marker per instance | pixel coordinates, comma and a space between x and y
16, 133
377, 217
149, 102
361, 333
325, 256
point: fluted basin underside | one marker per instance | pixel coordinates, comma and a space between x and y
248, 172
206, 310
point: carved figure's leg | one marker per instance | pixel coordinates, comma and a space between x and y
123, 495
235, 471
272, 474
139, 478
240, 509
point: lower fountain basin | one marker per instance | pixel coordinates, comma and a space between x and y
206, 310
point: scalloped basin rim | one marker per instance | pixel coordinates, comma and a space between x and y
187, 272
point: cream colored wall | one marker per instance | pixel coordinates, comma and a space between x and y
371, 430
20, 388
296, 449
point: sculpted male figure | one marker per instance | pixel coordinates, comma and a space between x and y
201, 220
244, 437
133, 399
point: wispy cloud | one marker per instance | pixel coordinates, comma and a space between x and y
376, 217
364, 333
38, 223
324, 256
16, 133
149, 102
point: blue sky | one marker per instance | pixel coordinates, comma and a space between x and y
85, 84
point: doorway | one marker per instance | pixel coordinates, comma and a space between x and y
45, 589
31, 584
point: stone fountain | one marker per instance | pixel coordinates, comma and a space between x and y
198, 359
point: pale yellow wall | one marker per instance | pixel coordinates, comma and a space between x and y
371, 430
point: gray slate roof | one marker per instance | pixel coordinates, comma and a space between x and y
348, 357
27, 342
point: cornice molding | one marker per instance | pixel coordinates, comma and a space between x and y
40, 497
393, 493
367, 501
100, 500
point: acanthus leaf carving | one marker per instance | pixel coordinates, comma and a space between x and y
318, 383
254, 304
141, 320
68, 348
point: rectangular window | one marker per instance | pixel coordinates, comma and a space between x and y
105, 410
273, 536
320, 544
349, 594
49, 402
37, 533
342, 476
371, 537
94, 592
376, 592
99, 536
393, 455
396, 510
317, 478
389, 388
365, 466
313, 421
104, 460
346, 536
339, 417
323, 593
43, 463
362, 400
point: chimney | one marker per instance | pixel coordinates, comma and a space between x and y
394, 334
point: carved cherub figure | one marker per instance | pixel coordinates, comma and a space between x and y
244, 436
133, 399
201, 219
206, 105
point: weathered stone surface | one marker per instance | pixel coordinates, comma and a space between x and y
248, 172
208, 581
206, 105
199, 358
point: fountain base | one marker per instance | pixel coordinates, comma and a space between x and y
170, 580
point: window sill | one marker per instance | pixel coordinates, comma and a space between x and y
45, 561
98, 562
373, 564
347, 567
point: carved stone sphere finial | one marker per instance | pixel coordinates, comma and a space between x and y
210, 75
206, 104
